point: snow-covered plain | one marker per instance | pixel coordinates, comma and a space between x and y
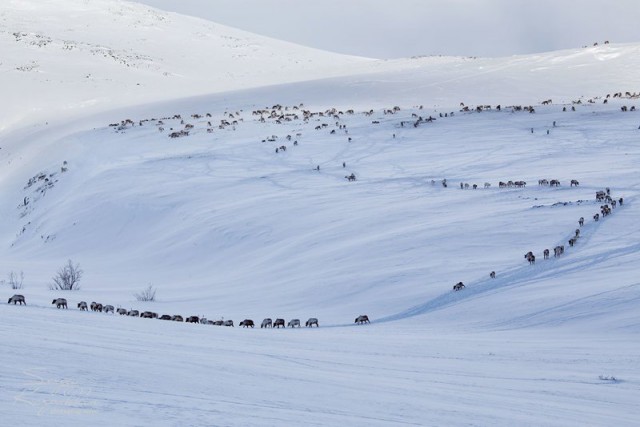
225, 227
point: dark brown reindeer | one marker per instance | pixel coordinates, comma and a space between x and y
458, 286
246, 323
278, 323
60, 302
193, 319
492, 274
362, 319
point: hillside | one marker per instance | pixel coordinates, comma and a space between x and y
235, 204
64, 58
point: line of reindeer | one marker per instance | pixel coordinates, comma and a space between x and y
605, 210
61, 303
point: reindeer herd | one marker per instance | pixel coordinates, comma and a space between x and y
605, 210
61, 303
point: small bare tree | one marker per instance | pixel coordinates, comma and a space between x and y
67, 278
149, 294
15, 280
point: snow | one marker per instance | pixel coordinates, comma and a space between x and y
224, 227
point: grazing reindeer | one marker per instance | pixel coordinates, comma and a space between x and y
266, 323
492, 274
362, 319
458, 286
193, 319
133, 313
17, 299
531, 258
247, 323
312, 321
293, 323
82, 305
574, 182
122, 311
278, 323
60, 302
108, 308
581, 221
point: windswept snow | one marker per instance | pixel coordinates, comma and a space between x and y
223, 225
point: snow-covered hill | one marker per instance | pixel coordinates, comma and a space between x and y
70, 57
247, 213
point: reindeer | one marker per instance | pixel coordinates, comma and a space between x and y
458, 286
17, 299
122, 311
177, 318
363, 318
312, 321
193, 319
293, 323
546, 253
577, 233
574, 182
531, 258
149, 315
60, 302
581, 221
266, 323
165, 317
247, 323
492, 274
228, 323
82, 305
278, 323
133, 313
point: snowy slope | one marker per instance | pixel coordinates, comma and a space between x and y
70, 57
226, 227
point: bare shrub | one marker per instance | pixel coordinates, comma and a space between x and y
148, 294
15, 281
67, 278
